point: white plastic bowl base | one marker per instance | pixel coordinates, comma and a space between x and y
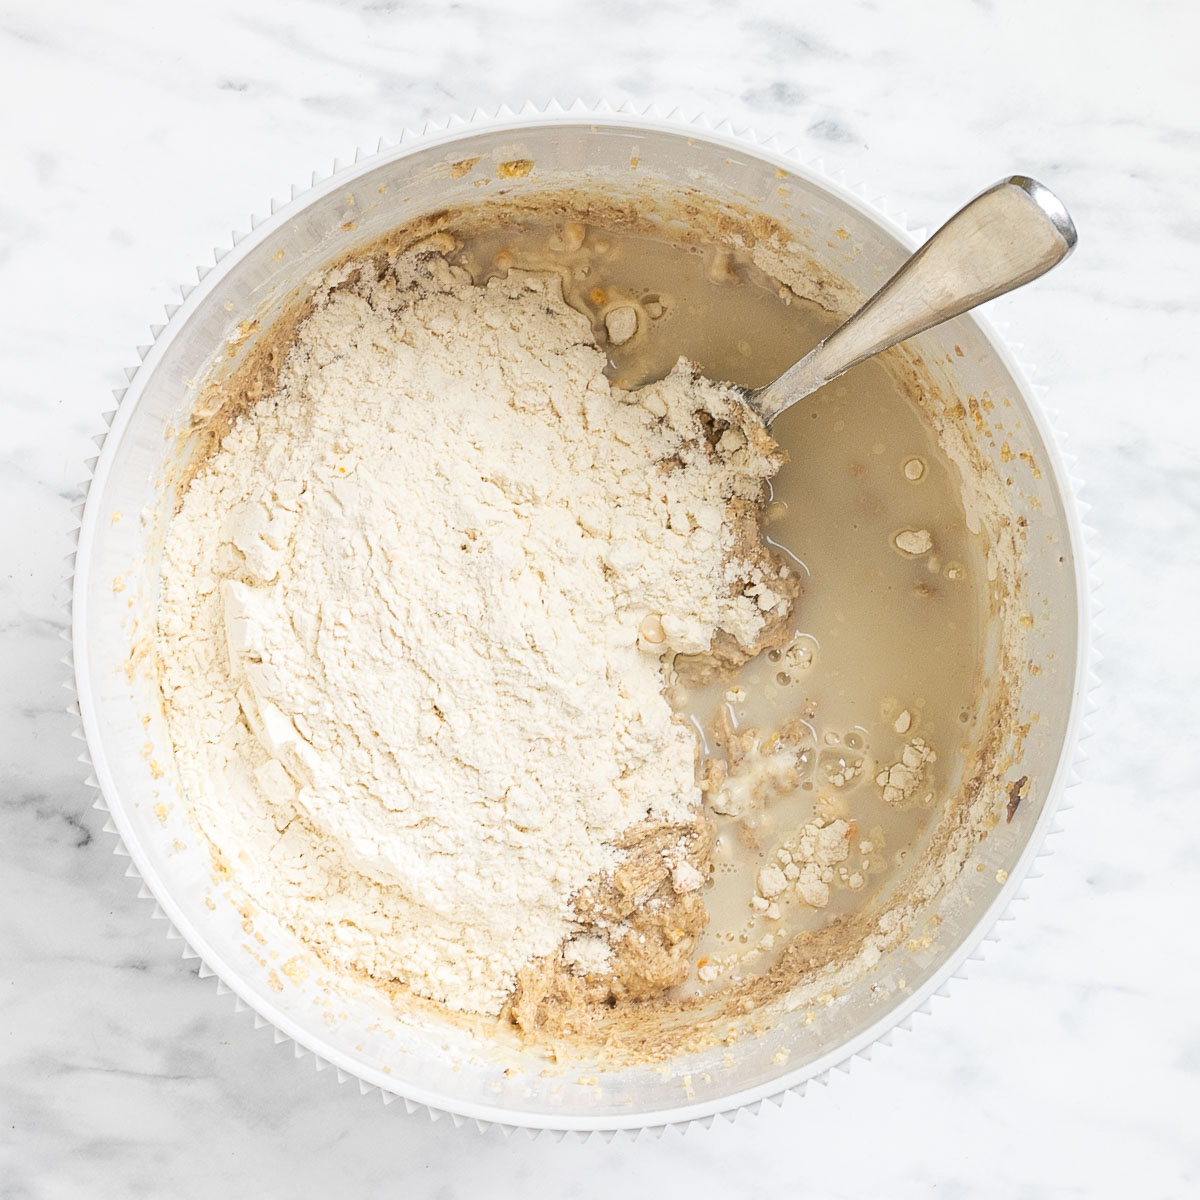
443, 1068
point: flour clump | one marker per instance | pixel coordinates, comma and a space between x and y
418, 612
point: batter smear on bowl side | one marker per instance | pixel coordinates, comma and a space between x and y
419, 612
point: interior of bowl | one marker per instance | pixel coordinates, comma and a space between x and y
654, 172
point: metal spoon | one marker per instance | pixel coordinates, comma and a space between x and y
1008, 235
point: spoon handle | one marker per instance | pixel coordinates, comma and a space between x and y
1008, 235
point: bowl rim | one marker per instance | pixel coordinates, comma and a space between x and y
196, 945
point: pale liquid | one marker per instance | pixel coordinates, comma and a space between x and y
889, 633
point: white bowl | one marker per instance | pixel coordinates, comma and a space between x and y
423, 1062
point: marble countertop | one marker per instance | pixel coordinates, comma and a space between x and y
136, 135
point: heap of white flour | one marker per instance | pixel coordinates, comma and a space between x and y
415, 614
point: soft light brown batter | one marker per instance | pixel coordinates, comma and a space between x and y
636, 1008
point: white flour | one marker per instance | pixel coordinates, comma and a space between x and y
416, 613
